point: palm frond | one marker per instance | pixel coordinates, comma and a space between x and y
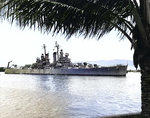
89, 17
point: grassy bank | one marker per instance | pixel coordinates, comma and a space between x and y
133, 71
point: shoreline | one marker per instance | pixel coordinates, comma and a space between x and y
133, 115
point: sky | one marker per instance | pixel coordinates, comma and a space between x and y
24, 46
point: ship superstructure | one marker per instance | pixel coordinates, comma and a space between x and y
44, 61
60, 60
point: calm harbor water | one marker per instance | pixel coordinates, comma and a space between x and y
54, 96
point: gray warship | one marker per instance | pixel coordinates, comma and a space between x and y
62, 65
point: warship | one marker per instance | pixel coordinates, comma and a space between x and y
62, 65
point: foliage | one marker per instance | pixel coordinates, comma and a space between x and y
2, 69
133, 71
88, 17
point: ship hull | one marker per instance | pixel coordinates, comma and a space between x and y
120, 70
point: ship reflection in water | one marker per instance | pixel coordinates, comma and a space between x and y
50, 96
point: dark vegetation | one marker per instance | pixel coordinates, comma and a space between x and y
2, 69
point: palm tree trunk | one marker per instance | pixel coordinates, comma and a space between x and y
145, 86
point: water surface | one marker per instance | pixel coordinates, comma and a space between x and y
55, 96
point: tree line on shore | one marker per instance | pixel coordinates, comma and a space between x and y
2, 69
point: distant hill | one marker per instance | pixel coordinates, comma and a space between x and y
114, 62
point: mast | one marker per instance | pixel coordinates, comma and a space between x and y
44, 49
57, 47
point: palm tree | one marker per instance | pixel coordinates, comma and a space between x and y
91, 18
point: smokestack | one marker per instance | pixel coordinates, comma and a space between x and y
54, 57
